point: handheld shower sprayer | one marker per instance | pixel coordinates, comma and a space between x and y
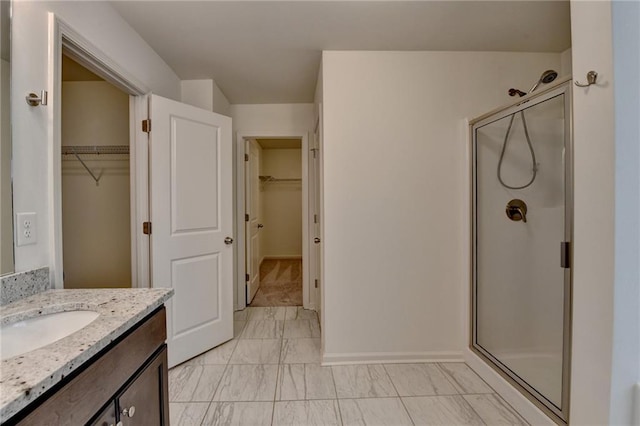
547, 77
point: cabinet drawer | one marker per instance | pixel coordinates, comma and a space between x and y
77, 401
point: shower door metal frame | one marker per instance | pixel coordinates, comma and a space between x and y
559, 414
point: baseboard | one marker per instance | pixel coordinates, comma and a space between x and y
283, 257
389, 357
511, 395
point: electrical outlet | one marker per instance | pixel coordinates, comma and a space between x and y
26, 229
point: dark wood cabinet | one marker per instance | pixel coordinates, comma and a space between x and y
143, 401
125, 385
107, 417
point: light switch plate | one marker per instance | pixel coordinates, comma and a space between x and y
26, 229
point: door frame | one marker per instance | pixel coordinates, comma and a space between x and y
61, 35
308, 298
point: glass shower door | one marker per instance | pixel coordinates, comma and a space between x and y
522, 228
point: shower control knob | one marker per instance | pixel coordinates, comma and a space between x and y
517, 210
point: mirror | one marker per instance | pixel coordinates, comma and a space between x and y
6, 199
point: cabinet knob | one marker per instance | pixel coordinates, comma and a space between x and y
129, 412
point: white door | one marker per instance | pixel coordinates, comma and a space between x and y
252, 209
191, 216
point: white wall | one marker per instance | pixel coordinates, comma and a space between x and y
281, 204
285, 118
394, 191
594, 186
626, 317
96, 218
102, 26
204, 94
565, 63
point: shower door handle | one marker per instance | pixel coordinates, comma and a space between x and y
565, 254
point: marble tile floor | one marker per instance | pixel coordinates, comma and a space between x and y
270, 374
280, 283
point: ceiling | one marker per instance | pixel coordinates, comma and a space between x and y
279, 143
73, 71
269, 51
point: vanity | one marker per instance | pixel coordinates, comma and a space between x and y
112, 371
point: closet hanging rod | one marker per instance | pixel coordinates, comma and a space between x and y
94, 149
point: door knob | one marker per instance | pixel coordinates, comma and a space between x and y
228, 240
316, 240
129, 412
517, 210
260, 226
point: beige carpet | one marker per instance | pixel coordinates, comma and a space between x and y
280, 283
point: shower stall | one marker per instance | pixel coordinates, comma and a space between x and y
522, 235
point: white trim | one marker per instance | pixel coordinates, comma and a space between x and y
61, 34
139, 164
307, 300
390, 357
240, 283
510, 394
54, 143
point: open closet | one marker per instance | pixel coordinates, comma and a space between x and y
96, 213
278, 230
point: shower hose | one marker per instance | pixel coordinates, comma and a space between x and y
504, 147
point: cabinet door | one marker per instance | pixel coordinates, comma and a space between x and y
145, 401
107, 417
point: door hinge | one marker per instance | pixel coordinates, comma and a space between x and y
246, 277
315, 218
316, 283
146, 125
246, 218
146, 228
565, 254
246, 157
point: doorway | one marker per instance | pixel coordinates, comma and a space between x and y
273, 221
274, 229
95, 180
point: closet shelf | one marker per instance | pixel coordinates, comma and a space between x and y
95, 150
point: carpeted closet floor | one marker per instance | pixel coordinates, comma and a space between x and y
280, 283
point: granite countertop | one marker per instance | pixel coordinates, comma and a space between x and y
25, 377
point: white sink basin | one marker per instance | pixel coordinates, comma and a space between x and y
33, 333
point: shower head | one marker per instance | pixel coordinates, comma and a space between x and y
547, 77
